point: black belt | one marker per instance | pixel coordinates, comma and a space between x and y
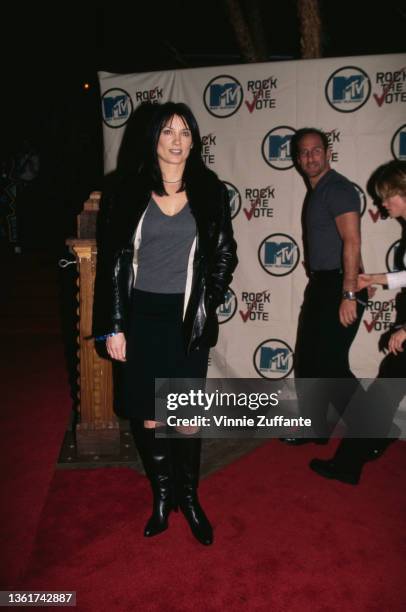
326, 273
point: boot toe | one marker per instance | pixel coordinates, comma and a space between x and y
329, 469
206, 540
204, 534
152, 528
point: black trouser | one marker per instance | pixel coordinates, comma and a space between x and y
373, 416
322, 350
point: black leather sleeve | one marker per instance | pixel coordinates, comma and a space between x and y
107, 305
224, 258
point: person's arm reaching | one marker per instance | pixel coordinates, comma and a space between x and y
393, 280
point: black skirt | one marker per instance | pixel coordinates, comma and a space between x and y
155, 349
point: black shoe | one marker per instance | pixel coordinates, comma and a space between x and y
186, 454
301, 441
195, 516
379, 447
155, 455
330, 469
162, 506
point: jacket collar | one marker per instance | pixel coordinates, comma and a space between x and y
135, 196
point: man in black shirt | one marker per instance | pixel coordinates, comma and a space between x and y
331, 310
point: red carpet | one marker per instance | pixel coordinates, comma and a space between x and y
35, 403
285, 540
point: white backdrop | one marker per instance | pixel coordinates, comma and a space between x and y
247, 115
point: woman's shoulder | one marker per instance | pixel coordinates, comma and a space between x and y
208, 196
120, 191
211, 184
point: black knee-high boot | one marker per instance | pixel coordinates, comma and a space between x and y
186, 458
156, 457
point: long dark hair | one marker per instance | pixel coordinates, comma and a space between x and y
194, 167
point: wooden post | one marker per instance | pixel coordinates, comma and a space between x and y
98, 431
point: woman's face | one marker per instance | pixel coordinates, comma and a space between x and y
175, 142
395, 205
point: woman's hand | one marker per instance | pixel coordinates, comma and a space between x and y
396, 340
116, 346
366, 280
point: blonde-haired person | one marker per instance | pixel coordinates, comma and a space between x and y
381, 401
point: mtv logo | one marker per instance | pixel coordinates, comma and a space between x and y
279, 254
226, 308
279, 147
224, 96
275, 360
233, 196
115, 107
349, 88
402, 145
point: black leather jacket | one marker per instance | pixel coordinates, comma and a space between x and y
214, 260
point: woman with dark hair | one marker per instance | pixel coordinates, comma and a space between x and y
167, 258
